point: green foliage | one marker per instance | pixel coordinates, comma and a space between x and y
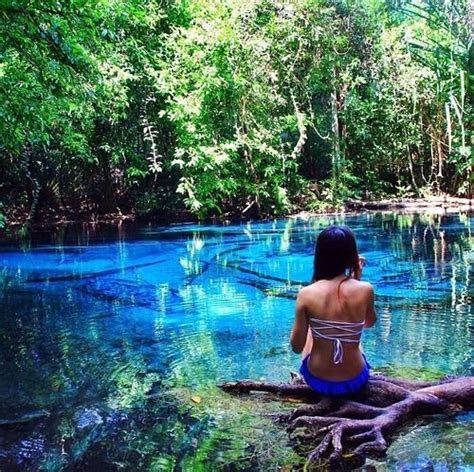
231, 107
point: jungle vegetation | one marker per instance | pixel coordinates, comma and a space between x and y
243, 107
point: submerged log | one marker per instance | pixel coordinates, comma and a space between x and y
343, 432
24, 418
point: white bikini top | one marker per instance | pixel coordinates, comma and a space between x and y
348, 333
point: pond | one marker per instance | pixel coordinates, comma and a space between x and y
112, 341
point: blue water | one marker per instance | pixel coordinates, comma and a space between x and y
112, 341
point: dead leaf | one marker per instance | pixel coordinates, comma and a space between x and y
196, 399
293, 400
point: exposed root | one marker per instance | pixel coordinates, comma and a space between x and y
313, 422
351, 409
282, 388
323, 406
347, 430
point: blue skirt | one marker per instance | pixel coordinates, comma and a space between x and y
339, 387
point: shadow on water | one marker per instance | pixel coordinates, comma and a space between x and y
112, 342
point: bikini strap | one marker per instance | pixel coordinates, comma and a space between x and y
349, 331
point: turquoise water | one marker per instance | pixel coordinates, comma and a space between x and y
112, 340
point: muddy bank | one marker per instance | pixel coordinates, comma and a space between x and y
430, 204
437, 205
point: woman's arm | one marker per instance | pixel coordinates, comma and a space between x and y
370, 316
299, 331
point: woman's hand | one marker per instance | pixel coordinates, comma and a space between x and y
358, 272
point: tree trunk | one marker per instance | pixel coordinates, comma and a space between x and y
108, 202
412, 173
242, 131
302, 129
336, 142
32, 185
343, 432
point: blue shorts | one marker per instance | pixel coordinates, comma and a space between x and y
339, 387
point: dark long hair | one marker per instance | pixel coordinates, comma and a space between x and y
335, 254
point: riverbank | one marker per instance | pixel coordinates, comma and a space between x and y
443, 204
436, 205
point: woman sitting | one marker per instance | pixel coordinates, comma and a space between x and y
330, 315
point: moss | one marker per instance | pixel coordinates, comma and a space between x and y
240, 433
412, 373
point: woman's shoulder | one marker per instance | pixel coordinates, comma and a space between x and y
308, 290
361, 287
363, 284
352, 284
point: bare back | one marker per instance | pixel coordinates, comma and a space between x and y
321, 301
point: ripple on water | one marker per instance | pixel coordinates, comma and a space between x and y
442, 445
114, 340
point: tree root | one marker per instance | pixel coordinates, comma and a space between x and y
343, 431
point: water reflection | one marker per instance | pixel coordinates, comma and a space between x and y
106, 337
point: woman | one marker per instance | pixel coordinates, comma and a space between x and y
330, 315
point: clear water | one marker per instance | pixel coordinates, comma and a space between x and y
112, 343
